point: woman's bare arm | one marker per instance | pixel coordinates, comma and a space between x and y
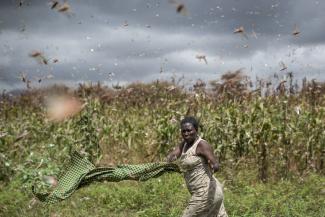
205, 150
175, 153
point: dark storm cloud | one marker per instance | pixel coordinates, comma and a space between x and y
146, 40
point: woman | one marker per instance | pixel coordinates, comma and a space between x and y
198, 163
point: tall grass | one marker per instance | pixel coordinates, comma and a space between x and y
279, 131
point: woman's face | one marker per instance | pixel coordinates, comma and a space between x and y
188, 132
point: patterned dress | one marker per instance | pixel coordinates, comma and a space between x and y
206, 191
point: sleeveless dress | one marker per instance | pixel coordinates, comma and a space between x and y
206, 191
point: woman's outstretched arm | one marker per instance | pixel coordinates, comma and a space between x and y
175, 153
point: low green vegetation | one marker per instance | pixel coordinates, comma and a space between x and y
167, 196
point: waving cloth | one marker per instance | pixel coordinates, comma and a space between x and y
81, 172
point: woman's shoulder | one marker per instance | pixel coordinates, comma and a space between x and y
203, 142
202, 145
181, 145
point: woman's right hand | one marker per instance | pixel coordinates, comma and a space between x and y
171, 158
173, 155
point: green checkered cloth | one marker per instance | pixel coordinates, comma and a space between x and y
81, 172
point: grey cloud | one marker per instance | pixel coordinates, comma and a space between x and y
92, 41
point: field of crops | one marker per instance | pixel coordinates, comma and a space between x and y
270, 144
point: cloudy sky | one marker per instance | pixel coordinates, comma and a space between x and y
146, 40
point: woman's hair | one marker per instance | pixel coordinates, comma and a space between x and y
191, 120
